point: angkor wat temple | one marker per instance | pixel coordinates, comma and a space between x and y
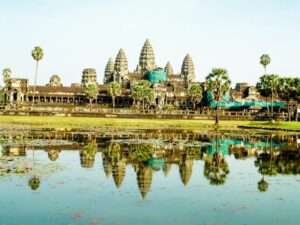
169, 87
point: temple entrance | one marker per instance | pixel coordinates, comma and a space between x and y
15, 97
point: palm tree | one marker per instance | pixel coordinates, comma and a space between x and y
296, 94
264, 61
142, 91
194, 93
285, 91
37, 54
268, 86
6, 75
114, 90
218, 83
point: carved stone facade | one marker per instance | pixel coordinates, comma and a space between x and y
147, 59
187, 70
54, 81
109, 71
169, 69
89, 76
121, 67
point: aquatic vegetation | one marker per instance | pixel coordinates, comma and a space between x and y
262, 185
24, 167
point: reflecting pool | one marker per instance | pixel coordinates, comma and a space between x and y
148, 177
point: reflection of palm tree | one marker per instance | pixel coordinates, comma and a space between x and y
216, 169
34, 183
262, 185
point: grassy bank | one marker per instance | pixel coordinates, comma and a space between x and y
80, 122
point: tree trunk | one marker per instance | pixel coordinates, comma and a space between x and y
272, 100
194, 105
288, 110
217, 114
35, 78
143, 105
113, 101
296, 119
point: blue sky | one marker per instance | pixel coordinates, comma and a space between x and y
77, 34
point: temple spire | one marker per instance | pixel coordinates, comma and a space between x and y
147, 59
169, 69
109, 71
121, 66
187, 70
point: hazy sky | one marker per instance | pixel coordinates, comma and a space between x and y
77, 34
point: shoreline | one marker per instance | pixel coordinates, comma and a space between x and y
141, 124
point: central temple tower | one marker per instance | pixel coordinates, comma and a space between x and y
147, 59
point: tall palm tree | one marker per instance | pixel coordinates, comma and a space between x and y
37, 54
218, 83
286, 91
268, 86
296, 94
6, 73
114, 90
265, 60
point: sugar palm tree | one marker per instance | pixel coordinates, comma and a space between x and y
6, 73
114, 90
286, 91
218, 83
265, 60
37, 54
268, 86
296, 94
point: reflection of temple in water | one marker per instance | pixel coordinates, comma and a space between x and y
185, 169
53, 154
86, 160
14, 150
118, 171
144, 178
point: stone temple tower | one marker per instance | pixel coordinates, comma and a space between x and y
89, 76
109, 71
147, 59
121, 67
169, 69
187, 70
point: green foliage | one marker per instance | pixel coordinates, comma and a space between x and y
218, 83
6, 73
140, 152
142, 91
1, 95
265, 60
216, 169
34, 183
114, 90
37, 53
169, 107
194, 93
262, 185
90, 149
268, 84
286, 88
114, 151
91, 91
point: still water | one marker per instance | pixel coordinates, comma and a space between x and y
150, 177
